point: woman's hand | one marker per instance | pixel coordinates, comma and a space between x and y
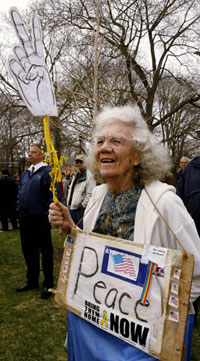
59, 216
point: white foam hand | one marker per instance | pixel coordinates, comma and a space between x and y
29, 70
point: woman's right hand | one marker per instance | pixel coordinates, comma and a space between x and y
59, 216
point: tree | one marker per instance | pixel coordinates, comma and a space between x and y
179, 131
149, 38
142, 46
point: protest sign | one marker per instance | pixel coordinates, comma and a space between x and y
135, 292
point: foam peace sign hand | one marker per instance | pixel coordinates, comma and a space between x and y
28, 68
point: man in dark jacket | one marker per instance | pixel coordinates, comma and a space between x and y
189, 190
34, 198
184, 161
8, 200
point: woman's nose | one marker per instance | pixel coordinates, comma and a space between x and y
106, 145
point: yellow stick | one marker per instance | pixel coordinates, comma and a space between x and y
54, 163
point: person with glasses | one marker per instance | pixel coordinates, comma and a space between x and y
184, 162
80, 191
130, 166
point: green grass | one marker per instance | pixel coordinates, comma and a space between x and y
196, 338
32, 329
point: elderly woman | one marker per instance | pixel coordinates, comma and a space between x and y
125, 157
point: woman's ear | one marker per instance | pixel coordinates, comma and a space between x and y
136, 158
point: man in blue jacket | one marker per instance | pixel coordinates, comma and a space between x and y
34, 198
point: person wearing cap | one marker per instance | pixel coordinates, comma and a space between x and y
80, 191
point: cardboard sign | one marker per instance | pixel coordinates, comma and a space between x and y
137, 293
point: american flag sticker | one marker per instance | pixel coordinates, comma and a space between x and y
125, 264
174, 316
177, 273
66, 260
173, 301
174, 288
64, 279
65, 269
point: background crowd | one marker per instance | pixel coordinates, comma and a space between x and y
186, 189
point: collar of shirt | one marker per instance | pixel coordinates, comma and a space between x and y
37, 166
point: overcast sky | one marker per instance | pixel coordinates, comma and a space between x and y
6, 4
7, 34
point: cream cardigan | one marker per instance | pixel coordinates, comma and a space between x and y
150, 227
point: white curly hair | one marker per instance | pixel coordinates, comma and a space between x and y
155, 162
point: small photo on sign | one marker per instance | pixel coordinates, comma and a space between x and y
69, 239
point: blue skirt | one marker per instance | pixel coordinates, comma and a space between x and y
87, 342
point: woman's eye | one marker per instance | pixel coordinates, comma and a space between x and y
100, 142
115, 141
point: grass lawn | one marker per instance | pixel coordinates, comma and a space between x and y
32, 329
196, 338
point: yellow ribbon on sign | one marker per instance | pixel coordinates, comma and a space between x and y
104, 320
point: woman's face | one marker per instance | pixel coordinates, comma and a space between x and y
115, 156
